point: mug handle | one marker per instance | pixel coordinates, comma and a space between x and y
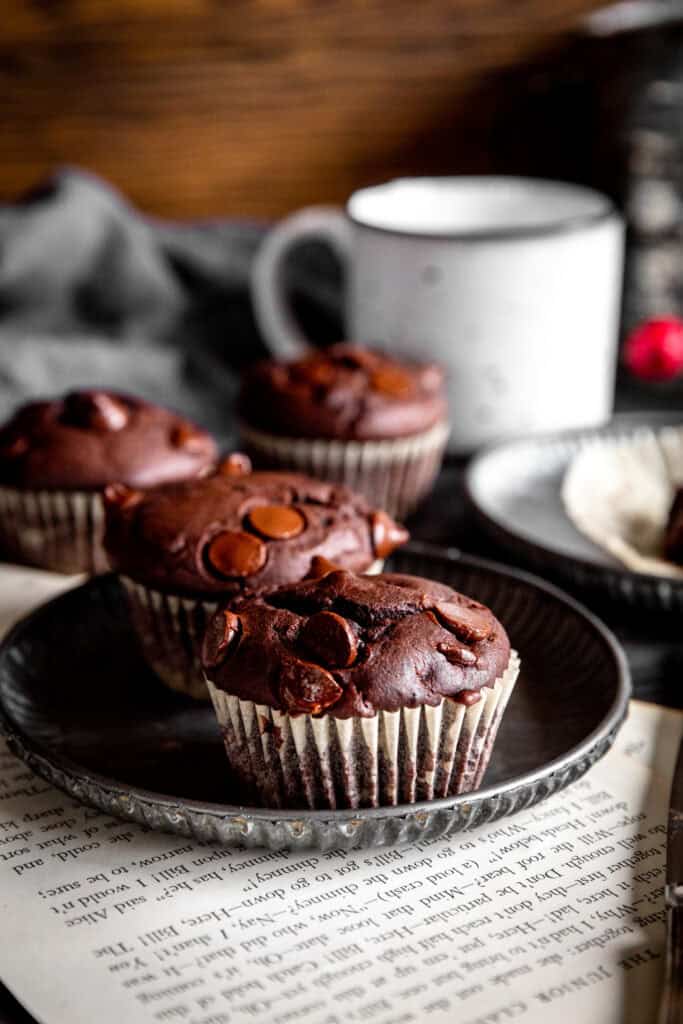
271, 309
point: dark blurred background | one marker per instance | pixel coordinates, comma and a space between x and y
214, 108
229, 110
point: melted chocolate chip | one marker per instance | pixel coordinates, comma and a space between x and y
320, 567
188, 437
234, 553
470, 623
276, 522
392, 382
456, 654
235, 464
386, 534
121, 496
95, 410
306, 688
221, 635
330, 638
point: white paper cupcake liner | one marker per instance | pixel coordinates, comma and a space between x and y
618, 492
395, 757
57, 530
171, 629
395, 475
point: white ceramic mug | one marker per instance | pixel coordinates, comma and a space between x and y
513, 284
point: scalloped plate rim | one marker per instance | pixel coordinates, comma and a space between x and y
34, 753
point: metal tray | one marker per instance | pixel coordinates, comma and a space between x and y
81, 708
514, 490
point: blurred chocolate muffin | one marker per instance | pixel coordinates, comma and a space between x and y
352, 415
56, 456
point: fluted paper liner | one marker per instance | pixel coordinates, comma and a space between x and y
394, 474
57, 530
171, 628
618, 492
394, 757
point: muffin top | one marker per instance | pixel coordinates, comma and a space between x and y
343, 392
89, 438
237, 530
352, 645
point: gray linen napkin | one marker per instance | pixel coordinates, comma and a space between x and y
94, 293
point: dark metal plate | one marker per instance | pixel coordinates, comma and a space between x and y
79, 705
514, 489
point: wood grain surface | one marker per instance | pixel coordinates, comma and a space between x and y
223, 107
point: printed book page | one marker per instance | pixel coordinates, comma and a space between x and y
555, 913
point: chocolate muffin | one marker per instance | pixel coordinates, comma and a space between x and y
358, 691
181, 548
56, 456
352, 415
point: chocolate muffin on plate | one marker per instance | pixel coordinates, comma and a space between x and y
358, 691
182, 548
350, 414
56, 456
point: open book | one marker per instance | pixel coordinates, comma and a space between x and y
553, 914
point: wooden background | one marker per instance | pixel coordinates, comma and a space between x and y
223, 107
